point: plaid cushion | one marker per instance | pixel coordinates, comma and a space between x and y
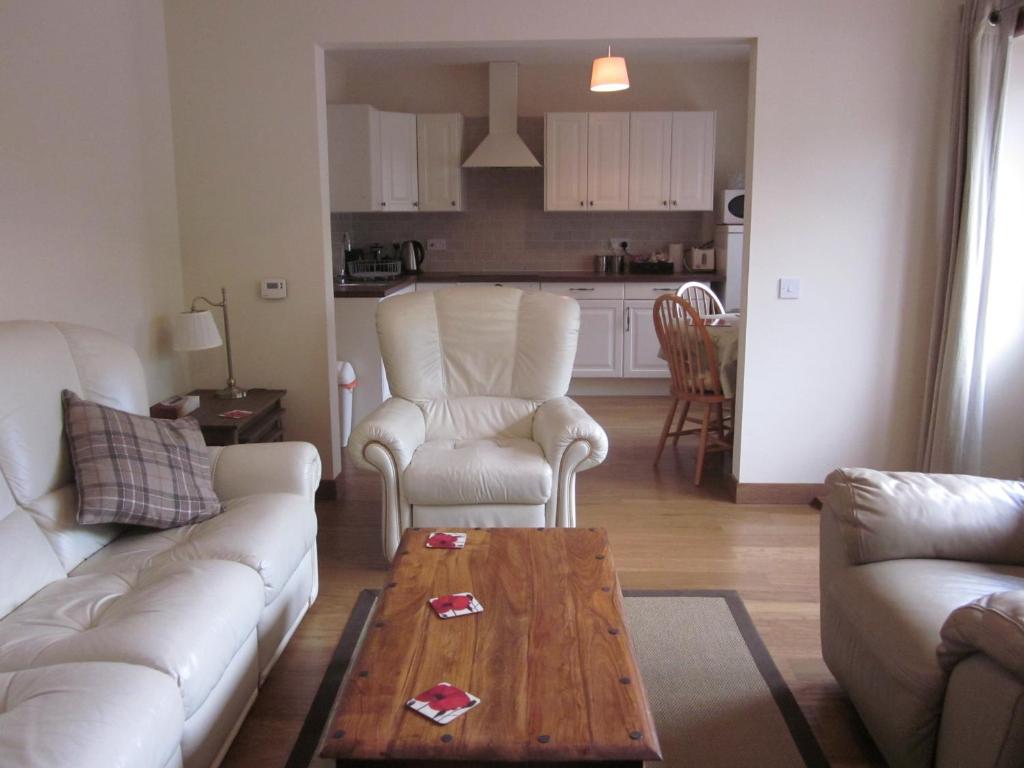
137, 470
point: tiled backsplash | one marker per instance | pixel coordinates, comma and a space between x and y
504, 225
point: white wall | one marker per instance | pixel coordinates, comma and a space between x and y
1002, 450
88, 218
851, 109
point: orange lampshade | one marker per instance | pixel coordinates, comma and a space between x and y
609, 73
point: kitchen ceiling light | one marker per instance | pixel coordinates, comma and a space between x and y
609, 73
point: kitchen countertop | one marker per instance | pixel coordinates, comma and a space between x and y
581, 276
371, 289
379, 290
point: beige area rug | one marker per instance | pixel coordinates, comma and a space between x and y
716, 695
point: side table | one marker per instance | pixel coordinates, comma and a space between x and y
264, 425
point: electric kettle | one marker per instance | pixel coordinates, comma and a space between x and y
411, 253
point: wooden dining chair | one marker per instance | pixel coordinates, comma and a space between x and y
701, 298
693, 364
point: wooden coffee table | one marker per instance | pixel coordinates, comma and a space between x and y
550, 657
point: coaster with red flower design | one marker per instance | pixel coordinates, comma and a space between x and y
443, 540
459, 604
443, 703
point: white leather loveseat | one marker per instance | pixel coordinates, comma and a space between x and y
124, 647
478, 432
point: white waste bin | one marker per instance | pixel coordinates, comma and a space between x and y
346, 384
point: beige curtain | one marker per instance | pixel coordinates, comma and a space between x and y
956, 386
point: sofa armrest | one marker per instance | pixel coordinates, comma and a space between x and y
242, 470
992, 625
894, 515
396, 424
559, 423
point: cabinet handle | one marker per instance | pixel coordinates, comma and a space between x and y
664, 202
581, 203
382, 203
415, 203
663, 290
674, 203
627, 318
591, 202
581, 289
453, 203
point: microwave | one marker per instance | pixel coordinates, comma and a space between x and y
732, 206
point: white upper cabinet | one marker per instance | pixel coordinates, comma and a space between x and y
693, 161
353, 152
439, 161
650, 160
565, 161
629, 161
399, 183
608, 161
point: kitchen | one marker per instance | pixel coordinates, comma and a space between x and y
404, 126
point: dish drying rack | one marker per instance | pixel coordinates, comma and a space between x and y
365, 269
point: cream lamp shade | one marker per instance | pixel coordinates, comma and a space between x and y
194, 331
609, 73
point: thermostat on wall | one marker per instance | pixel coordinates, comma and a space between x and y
273, 288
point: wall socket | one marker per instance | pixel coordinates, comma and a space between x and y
437, 245
619, 244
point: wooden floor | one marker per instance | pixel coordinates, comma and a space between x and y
664, 533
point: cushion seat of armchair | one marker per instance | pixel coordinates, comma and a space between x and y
895, 609
482, 471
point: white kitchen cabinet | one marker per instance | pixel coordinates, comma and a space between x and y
608, 161
650, 160
372, 159
638, 161
439, 161
693, 161
422, 287
599, 349
640, 357
565, 161
353, 152
399, 180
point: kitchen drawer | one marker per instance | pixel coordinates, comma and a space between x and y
522, 285
651, 291
585, 290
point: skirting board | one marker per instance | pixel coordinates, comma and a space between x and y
775, 493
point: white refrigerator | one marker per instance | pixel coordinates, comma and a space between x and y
729, 261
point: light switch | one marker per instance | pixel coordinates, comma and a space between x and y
789, 287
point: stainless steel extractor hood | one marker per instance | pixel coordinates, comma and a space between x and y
502, 148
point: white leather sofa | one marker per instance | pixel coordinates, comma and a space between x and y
130, 647
478, 432
922, 613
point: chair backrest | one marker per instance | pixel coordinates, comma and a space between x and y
40, 539
701, 298
687, 347
478, 359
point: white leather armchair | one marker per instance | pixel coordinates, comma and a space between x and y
478, 432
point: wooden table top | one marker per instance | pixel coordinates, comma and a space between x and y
550, 656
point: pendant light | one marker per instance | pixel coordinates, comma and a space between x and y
609, 73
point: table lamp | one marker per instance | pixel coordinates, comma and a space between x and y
196, 329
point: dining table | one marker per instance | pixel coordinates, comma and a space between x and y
724, 332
